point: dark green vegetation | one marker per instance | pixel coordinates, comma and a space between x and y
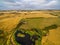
3, 37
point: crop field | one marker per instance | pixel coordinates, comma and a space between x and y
30, 27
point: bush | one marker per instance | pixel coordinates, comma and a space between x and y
1, 14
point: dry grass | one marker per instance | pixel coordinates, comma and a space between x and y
8, 21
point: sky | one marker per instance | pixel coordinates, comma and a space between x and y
29, 4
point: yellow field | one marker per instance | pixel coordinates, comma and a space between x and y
9, 20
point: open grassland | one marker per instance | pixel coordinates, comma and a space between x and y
34, 19
42, 24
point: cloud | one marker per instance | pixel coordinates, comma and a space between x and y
52, 3
29, 4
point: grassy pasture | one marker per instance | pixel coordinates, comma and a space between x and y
34, 19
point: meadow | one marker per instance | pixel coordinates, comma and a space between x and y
41, 20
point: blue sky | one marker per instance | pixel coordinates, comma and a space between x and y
29, 4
